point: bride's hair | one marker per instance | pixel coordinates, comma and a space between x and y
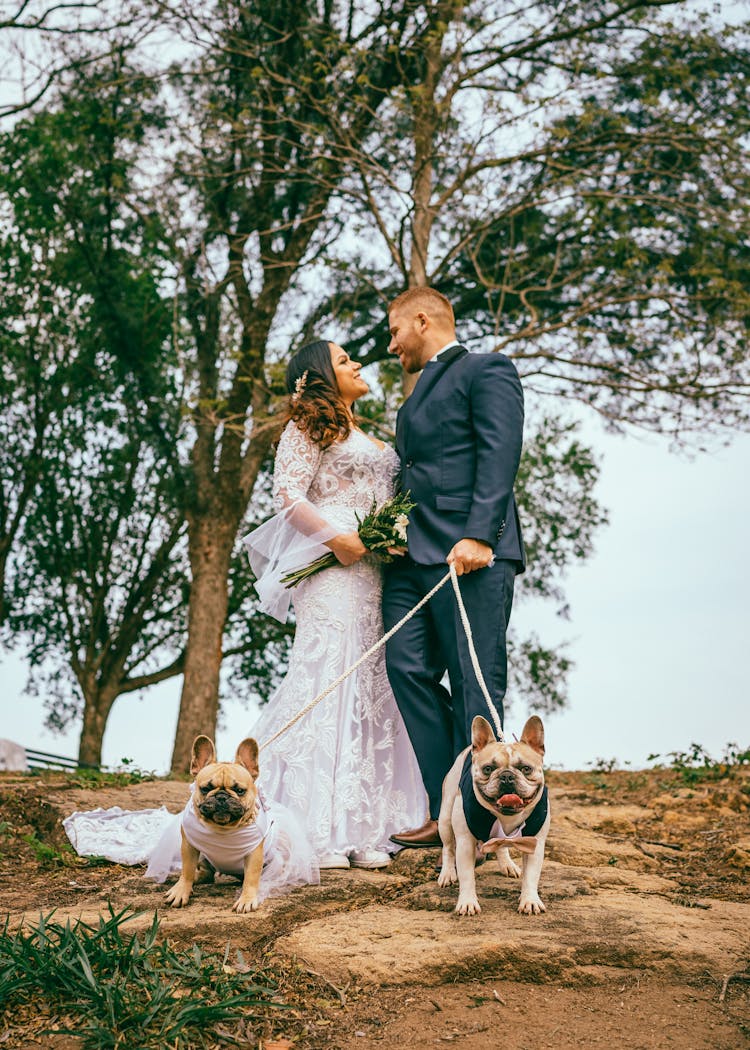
315, 404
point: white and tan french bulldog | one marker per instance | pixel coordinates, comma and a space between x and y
223, 825
494, 794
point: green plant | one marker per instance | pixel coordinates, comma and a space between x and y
48, 855
121, 991
696, 764
603, 765
126, 773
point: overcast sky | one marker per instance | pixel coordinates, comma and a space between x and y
659, 629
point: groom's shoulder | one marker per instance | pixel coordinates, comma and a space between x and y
473, 363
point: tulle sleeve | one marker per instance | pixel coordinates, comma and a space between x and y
297, 534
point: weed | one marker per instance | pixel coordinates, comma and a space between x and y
636, 782
598, 782
696, 764
124, 991
123, 775
603, 765
49, 855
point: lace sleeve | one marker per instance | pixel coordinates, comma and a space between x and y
297, 462
297, 534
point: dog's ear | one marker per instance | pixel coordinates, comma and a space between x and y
481, 733
247, 756
204, 753
533, 734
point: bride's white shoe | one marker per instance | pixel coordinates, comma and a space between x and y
333, 860
369, 858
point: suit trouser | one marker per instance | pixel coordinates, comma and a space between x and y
433, 641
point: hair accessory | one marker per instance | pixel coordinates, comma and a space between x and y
299, 386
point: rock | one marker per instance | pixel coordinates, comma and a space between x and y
738, 855
13, 757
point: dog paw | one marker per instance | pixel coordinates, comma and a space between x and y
467, 906
447, 876
179, 895
506, 865
246, 904
531, 906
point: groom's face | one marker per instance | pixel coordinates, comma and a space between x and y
408, 329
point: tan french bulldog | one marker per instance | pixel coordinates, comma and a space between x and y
494, 794
223, 825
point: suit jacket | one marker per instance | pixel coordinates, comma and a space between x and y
459, 440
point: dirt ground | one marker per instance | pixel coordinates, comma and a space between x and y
645, 942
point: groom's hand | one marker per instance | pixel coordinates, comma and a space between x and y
468, 555
347, 547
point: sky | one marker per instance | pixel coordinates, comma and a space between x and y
658, 630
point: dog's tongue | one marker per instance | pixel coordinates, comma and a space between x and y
510, 802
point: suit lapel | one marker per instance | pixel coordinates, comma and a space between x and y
427, 380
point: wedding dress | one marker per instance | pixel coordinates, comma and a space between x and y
347, 768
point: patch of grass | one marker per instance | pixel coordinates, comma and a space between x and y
123, 775
48, 854
636, 782
123, 991
598, 781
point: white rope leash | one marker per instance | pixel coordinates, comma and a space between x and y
473, 654
451, 574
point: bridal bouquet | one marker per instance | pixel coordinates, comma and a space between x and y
383, 527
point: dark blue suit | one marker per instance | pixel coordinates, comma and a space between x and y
459, 440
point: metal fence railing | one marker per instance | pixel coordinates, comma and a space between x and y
45, 760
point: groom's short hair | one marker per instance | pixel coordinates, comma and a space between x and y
430, 300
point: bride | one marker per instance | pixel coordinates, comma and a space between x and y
347, 768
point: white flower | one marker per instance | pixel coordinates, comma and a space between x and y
399, 526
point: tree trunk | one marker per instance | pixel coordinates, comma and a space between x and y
96, 707
210, 554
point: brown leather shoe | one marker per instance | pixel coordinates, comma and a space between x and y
425, 837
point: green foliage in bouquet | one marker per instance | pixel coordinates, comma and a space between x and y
383, 527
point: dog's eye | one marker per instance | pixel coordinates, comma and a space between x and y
488, 770
206, 788
527, 770
239, 791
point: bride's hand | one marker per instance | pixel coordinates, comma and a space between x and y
347, 547
401, 551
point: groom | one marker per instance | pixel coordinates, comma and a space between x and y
459, 440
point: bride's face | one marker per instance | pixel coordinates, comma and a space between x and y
350, 383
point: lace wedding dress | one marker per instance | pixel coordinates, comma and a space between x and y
347, 768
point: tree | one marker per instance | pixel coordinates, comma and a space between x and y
98, 586
46, 42
33, 351
262, 184
584, 205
